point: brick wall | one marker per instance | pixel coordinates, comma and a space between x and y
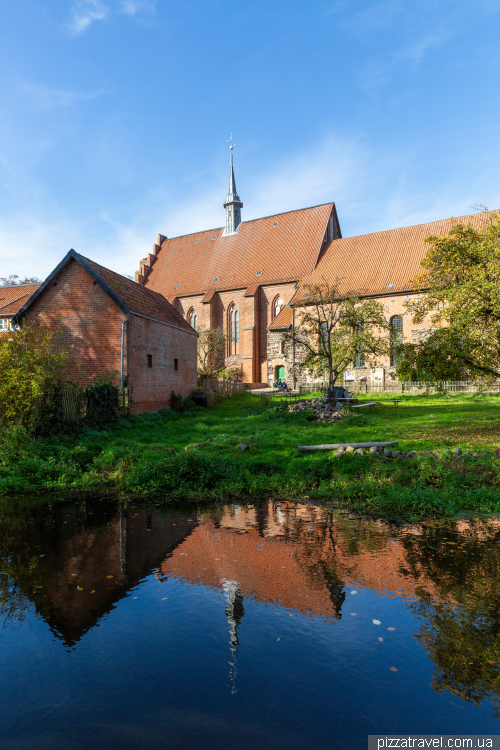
153, 385
90, 321
377, 376
91, 325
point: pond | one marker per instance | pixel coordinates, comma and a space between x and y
274, 625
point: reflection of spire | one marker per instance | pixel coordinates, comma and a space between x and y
234, 614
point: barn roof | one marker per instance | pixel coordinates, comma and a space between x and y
283, 247
127, 294
381, 262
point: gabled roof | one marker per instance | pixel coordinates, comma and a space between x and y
127, 294
381, 262
12, 298
198, 263
282, 320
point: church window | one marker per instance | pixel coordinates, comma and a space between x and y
359, 359
234, 329
396, 323
150, 360
278, 305
193, 319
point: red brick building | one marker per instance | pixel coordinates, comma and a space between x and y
12, 298
111, 324
244, 277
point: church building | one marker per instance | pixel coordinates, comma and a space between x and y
244, 277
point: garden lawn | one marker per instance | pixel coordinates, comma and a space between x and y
145, 456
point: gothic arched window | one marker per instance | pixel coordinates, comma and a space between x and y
359, 359
193, 319
234, 329
278, 305
396, 323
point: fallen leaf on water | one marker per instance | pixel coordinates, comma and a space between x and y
79, 588
391, 628
278, 639
290, 615
93, 592
134, 597
165, 597
73, 574
376, 622
380, 639
393, 669
354, 592
109, 576
354, 614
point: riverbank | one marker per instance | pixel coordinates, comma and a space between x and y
146, 456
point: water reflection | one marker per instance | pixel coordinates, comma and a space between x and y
71, 564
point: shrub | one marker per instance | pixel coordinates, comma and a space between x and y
176, 401
32, 362
102, 402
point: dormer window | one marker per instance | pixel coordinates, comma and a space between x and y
275, 224
258, 273
196, 242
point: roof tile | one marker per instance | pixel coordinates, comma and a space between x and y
286, 252
380, 262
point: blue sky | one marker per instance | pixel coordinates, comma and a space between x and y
115, 116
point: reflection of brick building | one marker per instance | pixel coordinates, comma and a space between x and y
88, 565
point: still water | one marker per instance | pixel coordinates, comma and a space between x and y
277, 625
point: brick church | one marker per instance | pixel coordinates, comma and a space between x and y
244, 276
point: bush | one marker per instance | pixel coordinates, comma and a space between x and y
32, 362
102, 402
176, 401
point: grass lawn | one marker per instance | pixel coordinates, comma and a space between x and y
134, 458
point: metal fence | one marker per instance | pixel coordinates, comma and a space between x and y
456, 386
224, 387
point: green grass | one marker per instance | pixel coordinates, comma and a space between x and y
131, 459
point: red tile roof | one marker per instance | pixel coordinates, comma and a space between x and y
286, 252
282, 320
138, 299
127, 294
12, 298
368, 264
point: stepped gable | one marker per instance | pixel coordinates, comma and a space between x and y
368, 264
196, 263
12, 298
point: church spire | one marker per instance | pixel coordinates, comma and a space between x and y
233, 204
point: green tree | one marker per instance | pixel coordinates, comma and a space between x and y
32, 363
211, 347
460, 287
335, 330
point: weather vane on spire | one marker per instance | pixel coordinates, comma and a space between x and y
231, 144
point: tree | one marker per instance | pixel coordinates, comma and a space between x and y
31, 367
211, 347
334, 329
14, 280
460, 287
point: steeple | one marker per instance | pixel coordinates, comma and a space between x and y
233, 204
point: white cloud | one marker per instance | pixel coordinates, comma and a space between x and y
130, 7
83, 13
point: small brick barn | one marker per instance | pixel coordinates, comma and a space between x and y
112, 324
